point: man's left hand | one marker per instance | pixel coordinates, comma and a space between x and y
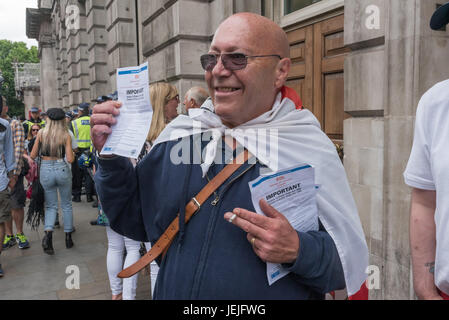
272, 237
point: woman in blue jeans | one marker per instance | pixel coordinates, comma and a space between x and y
54, 146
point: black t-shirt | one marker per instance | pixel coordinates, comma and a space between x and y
31, 144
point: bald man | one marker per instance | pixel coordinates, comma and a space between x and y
223, 250
195, 97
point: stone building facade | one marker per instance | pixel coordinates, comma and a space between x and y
359, 65
88, 40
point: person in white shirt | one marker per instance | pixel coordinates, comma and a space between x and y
427, 173
194, 98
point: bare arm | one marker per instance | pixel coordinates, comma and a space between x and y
423, 243
27, 157
68, 149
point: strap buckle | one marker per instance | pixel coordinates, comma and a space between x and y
197, 204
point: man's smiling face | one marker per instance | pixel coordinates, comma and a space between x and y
242, 95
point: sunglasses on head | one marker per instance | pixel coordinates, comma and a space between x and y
175, 97
231, 61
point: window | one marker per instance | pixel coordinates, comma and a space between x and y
294, 5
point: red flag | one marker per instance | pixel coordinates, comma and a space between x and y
290, 93
362, 294
445, 296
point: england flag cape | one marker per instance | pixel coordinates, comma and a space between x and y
294, 137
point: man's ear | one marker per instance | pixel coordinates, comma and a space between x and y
192, 103
282, 70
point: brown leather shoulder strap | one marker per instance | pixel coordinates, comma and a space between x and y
193, 206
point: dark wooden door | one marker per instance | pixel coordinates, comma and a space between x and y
318, 54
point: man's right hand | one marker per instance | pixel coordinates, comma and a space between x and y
103, 117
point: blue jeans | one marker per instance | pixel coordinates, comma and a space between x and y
56, 175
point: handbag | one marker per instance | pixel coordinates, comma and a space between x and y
36, 209
102, 219
29, 192
32, 173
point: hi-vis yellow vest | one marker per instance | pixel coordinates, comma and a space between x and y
81, 131
30, 123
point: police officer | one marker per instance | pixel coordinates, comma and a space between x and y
81, 130
35, 118
44, 116
75, 114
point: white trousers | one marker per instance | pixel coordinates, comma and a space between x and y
154, 270
114, 262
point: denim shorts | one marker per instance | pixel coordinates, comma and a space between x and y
18, 195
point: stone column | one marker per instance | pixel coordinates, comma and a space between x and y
56, 26
364, 133
58, 73
48, 77
64, 82
58, 20
77, 57
173, 41
122, 37
97, 42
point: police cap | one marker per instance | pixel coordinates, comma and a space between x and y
83, 106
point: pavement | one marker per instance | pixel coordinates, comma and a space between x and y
30, 274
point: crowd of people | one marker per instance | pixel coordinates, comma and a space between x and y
60, 152
198, 222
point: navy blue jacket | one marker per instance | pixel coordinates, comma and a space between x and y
213, 258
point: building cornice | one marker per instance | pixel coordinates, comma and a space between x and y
34, 18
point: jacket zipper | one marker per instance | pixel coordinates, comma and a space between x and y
211, 226
217, 196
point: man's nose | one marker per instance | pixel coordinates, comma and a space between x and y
220, 70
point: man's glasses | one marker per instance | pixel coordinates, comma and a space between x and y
231, 61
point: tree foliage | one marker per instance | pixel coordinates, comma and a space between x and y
11, 52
